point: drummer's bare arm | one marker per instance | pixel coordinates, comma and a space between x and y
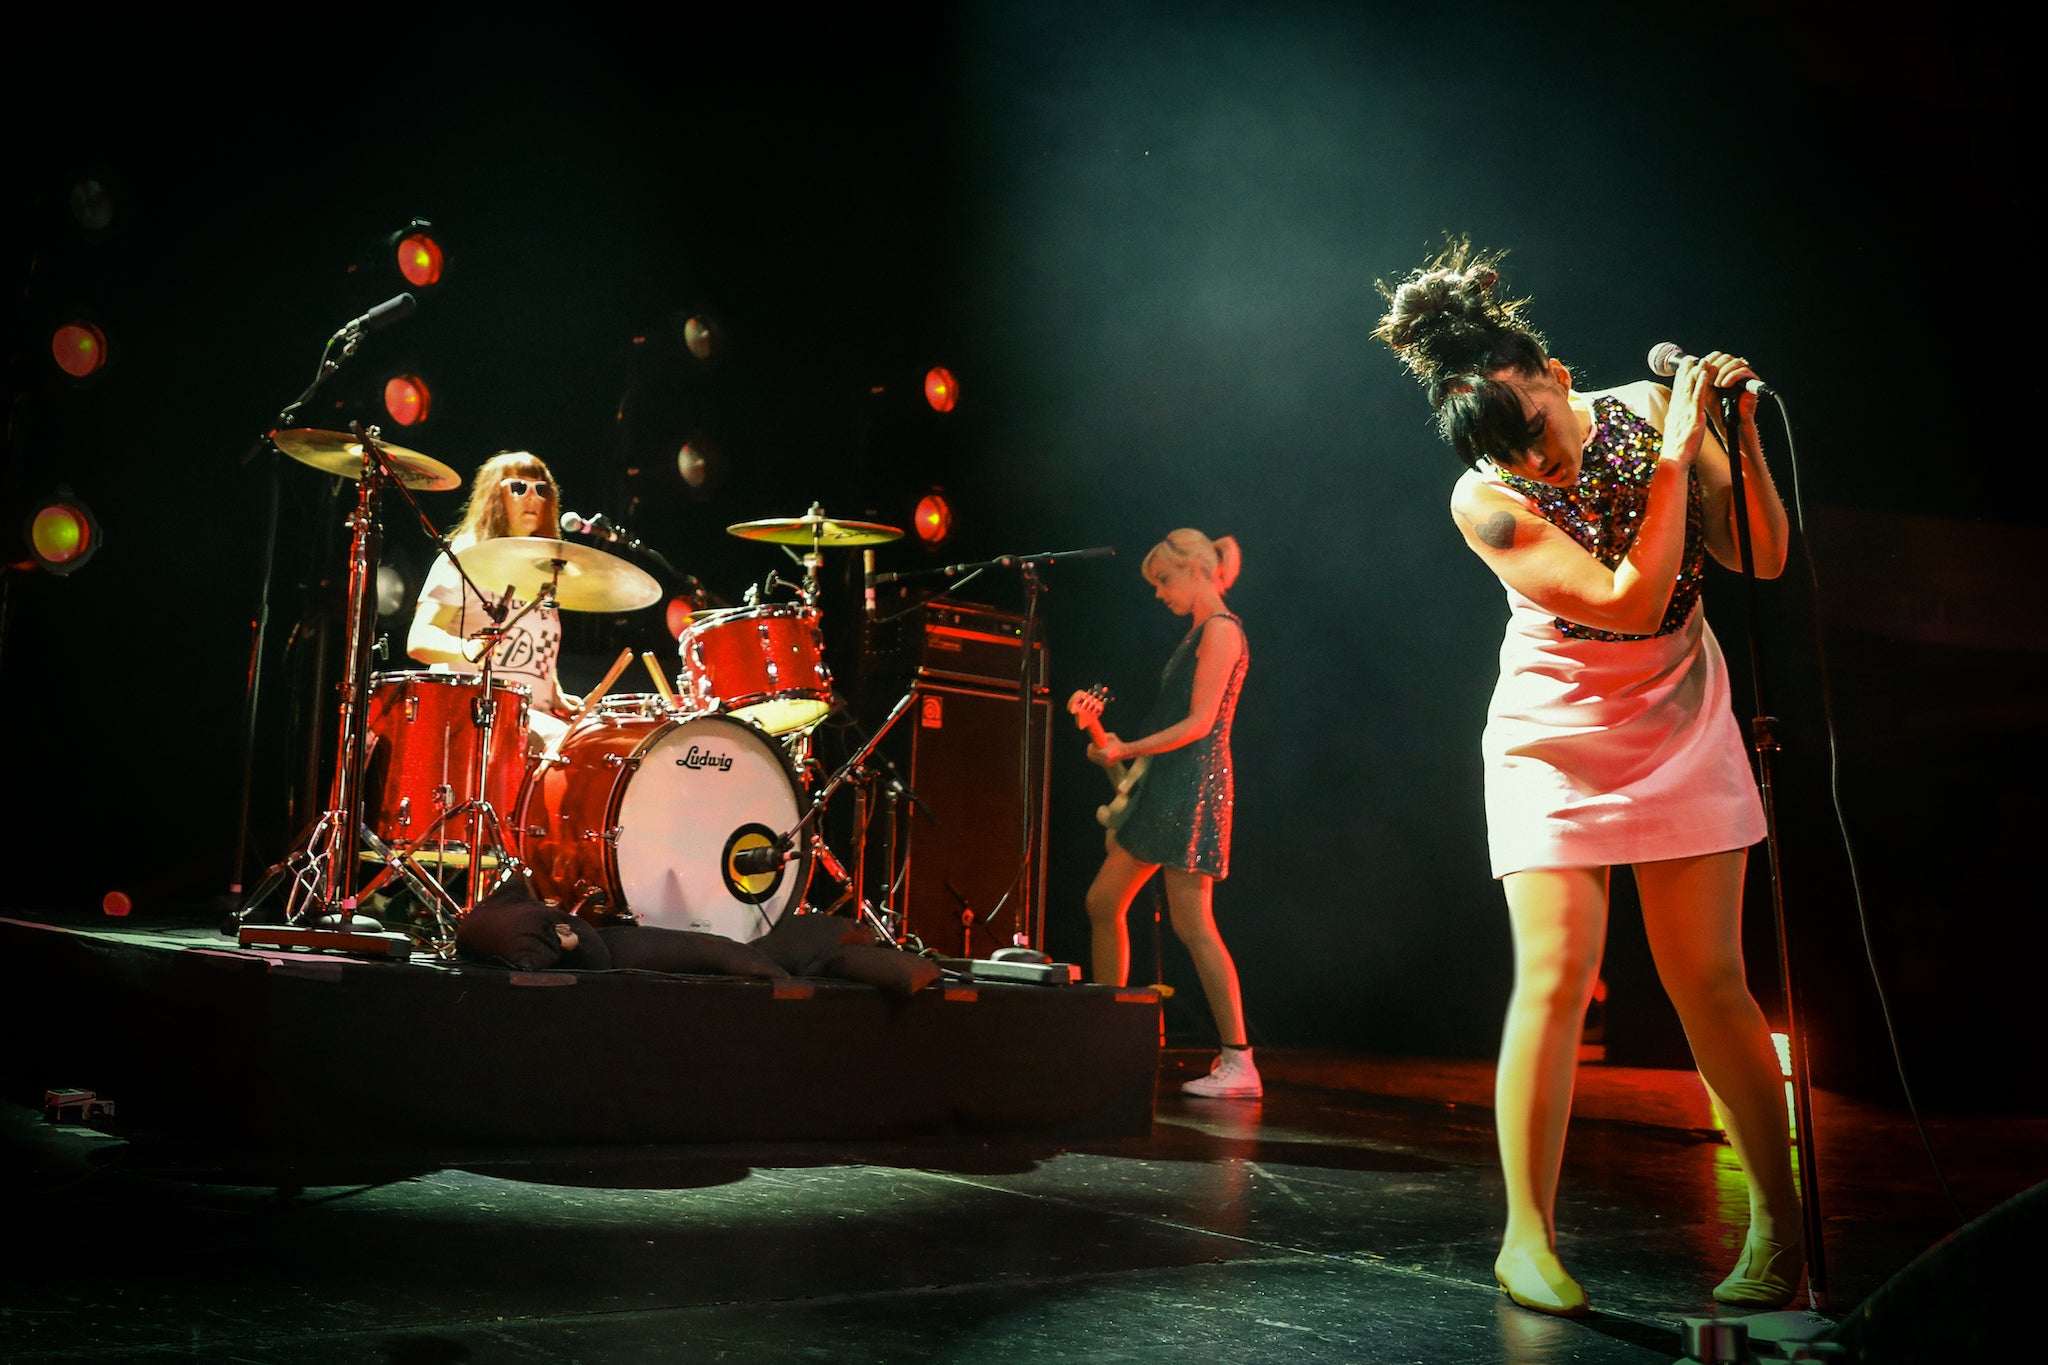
431, 641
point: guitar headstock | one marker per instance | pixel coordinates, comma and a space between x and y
1087, 704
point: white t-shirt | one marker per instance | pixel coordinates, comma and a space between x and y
528, 653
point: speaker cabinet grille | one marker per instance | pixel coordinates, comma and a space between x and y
975, 881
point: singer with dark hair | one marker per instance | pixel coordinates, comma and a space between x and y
1175, 819
512, 495
1609, 739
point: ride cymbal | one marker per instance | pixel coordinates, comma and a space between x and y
339, 452
585, 578
815, 528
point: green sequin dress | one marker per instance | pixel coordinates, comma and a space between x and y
1178, 814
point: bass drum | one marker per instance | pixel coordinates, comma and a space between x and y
639, 816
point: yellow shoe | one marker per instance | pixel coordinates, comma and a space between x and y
1766, 1276
1540, 1283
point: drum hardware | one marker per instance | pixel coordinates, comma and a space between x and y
484, 845
886, 922
349, 453
321, 871
764, 664
664, 833
533, 568
354, 458
581, 577
816, 531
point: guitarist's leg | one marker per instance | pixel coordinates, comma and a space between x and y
1187, 898
1109, 897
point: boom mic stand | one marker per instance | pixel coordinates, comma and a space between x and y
1027, 688
350, 336
321, 905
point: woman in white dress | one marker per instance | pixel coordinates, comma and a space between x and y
1609, 740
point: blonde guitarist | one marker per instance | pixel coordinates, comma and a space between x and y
1177, 820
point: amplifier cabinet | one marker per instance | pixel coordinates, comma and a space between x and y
975, 880
952, 642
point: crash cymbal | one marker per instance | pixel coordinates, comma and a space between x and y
815, 528
339, 452
588, 578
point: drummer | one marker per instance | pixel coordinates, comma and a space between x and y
512, 495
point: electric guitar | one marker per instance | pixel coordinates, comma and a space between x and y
1086, 708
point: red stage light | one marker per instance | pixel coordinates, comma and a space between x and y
116, 903
408, 399
941, 390
79, 348
933, 518
419, 259
63, 534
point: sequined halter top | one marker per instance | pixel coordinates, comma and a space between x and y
1603, 510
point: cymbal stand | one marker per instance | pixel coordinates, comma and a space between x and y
350, 336
822, 854
321, 871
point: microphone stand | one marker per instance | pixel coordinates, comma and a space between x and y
1763, 738
1028, 687
787, 841
350, 336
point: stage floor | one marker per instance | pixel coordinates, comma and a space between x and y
1349, 1216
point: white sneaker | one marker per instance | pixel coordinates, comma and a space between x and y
1233, 1077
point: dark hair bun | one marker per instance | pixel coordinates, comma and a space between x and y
1446, 322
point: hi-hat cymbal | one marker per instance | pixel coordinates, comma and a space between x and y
339, 452
585, 578
815, 528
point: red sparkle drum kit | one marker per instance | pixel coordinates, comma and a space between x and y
683, 808
647, 813
420, 757
763, 664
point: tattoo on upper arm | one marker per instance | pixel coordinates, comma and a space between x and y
1497, 530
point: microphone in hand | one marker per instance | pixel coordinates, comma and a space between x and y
1667, 356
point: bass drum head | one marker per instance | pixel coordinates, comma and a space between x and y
704, 790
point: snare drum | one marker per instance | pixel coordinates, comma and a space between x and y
643, 814
763, 664
423, 739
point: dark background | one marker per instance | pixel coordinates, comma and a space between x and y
1145, 238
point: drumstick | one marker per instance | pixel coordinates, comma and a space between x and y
668, 698
590, 698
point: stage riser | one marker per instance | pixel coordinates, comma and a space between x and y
317, 1049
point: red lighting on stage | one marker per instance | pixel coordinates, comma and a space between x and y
62, 533
419, 259
933, 518
941, 390
408, 399
116, 903
677, 615
79, 348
